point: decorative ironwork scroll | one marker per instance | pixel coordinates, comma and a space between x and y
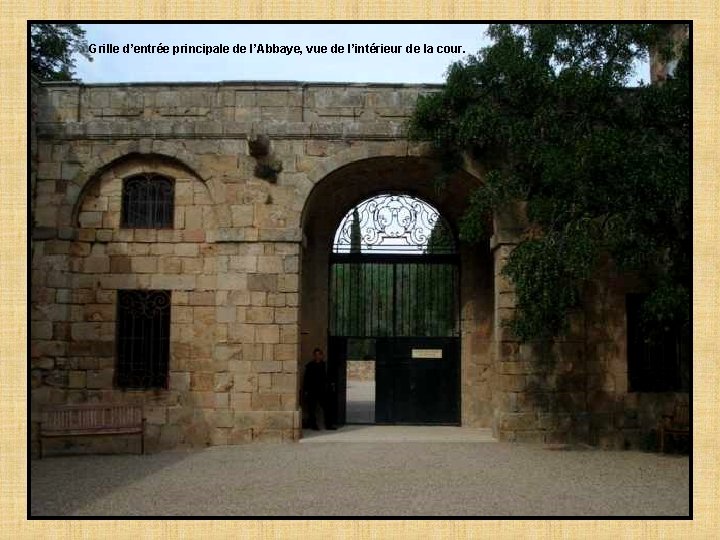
143, 338
394, 224
148, 202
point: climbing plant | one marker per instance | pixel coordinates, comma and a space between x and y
601, 166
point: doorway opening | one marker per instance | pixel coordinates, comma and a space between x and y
394, 332
360, 381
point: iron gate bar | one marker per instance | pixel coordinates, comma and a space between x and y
394, 301
407, 298
395, 279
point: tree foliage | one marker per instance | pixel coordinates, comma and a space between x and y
52, 47
602, 168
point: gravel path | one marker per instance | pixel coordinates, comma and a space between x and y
364, 479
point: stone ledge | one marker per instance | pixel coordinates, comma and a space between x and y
185, 128
254, 85
248, 234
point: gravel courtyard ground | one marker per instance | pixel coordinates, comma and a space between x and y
364, 479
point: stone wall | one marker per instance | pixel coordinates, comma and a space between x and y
231, 260
234, 316
231, 107
247, 262
573, 389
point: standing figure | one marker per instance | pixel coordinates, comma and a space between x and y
316, 390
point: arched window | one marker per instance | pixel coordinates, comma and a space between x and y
148, 202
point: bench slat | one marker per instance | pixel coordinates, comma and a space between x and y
104, 431
676, 424
91, 417
75, 420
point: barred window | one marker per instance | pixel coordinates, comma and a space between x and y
659, 363
143, 339
147, 202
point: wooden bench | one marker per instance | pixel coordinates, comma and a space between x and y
677, 423
80, 420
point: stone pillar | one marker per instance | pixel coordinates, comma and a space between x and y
510, 373
51, 279
477, 344
541, 395
259, 343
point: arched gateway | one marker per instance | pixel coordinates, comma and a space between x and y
394, 325
256, 276
404, 310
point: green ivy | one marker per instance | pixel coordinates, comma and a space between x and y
603, 168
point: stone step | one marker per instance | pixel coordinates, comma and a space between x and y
397, 434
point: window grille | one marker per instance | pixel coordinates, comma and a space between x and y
147, 202
656, 363
143, 339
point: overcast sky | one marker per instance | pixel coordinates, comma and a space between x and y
403, 67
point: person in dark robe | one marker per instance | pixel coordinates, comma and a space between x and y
316, 389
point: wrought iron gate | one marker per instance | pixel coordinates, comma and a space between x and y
392, 297
403, 295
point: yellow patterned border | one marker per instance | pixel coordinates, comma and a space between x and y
13, 331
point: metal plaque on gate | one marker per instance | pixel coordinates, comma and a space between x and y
427, 353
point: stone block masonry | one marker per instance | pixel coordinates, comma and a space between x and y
230, 260
233, 259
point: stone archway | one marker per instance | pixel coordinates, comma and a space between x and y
338, 192
127, 164
179, 261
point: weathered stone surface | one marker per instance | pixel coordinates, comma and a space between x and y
267, 333
155, 415
100, 379
267, 366
269, 264
262, 282
265, 402
245, 382
244, 318
261, 315
240, 401
239, 436
201, 381
223, 382
76, 379
179, 381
